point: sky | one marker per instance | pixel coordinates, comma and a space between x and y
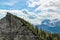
31, 5
37, 10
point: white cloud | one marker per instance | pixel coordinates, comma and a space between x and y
23, 15
45, 7
9, 3
44, 4
31, 3
38, 17
51, 16
2, 14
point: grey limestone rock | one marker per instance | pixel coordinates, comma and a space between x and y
11, 28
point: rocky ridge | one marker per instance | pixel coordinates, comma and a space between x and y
12, 28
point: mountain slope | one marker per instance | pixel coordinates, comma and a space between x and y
14, 28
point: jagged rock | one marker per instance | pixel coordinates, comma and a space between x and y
11, 28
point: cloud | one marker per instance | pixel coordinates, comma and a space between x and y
36, 18
22, 14
44, 4
52, 16
49, 9
9, 3
2, 14
31, 3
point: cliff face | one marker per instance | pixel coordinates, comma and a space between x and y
12, 28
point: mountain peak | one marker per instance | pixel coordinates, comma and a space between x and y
8, 17
8, 14
13, 26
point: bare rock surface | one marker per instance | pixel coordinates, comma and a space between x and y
12, 28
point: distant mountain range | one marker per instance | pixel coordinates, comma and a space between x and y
51, 27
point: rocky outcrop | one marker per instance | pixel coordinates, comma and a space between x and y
12, 28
